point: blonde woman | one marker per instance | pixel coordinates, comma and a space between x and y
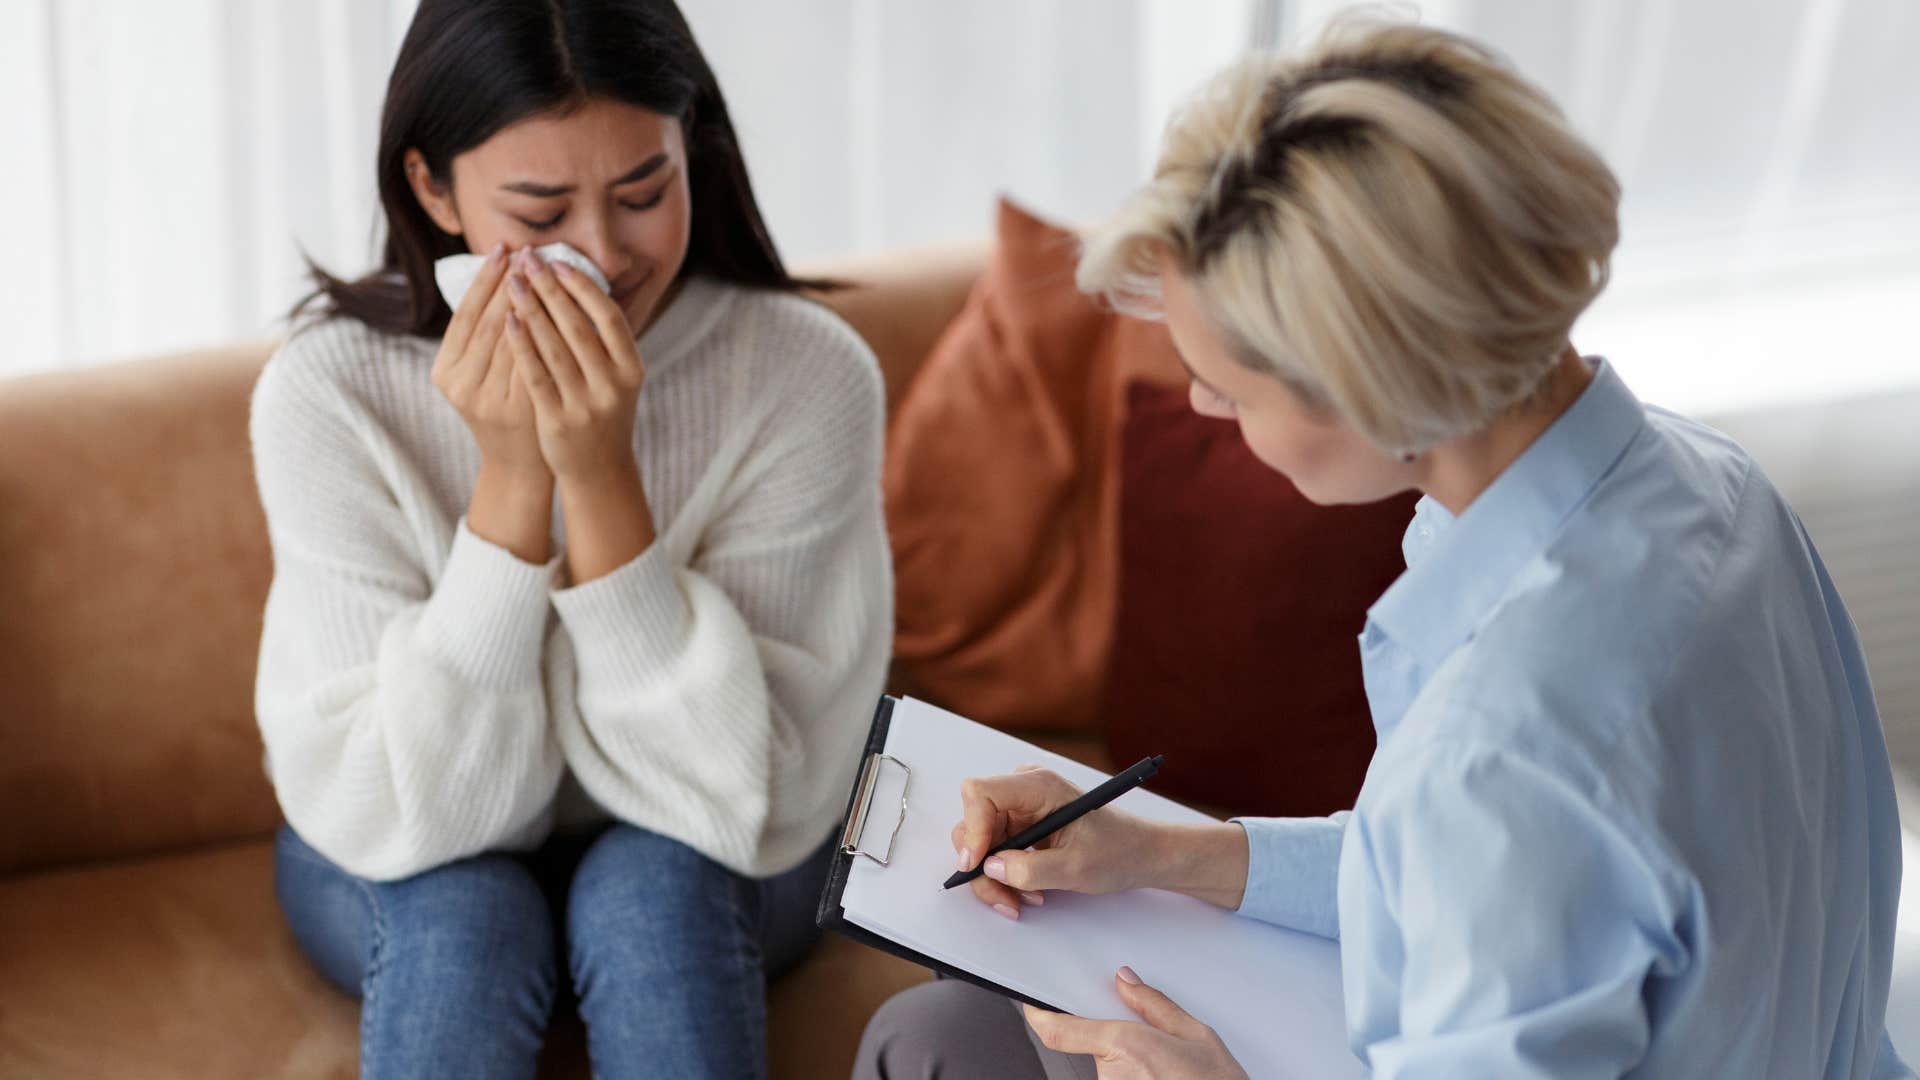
1631, 812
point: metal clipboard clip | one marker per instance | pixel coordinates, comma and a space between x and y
863, 801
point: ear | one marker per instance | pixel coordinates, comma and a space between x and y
436, 200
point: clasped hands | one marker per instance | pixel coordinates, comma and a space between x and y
543, 367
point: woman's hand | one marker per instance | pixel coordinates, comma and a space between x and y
475, 371
1106, 851
576, 360
575, 357
1171, 1045
1100, 853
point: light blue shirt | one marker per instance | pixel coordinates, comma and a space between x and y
1631, 812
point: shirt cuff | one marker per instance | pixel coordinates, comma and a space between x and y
487, 617
1293, 868
631, 624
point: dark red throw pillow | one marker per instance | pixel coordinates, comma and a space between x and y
1235, 650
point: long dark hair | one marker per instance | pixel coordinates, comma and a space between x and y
468, 68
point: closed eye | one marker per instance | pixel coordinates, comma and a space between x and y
543, 226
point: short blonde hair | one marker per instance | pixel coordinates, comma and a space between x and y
1396, 225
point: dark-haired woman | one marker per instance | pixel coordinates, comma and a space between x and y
579, 598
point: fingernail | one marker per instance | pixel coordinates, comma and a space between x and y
535, 261
497, 252
996, 869
965, 861
560, 268
1127, 976
1034, 898
1007, 911
513, 322
519, 285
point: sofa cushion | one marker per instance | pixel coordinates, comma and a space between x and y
176, 966
1234, 649
182, 967
1001, 486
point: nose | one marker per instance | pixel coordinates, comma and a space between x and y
596, 240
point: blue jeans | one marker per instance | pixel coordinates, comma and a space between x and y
458, 968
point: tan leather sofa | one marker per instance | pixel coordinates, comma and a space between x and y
139, 935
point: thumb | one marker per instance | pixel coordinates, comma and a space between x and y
1032, 871
1157, 1008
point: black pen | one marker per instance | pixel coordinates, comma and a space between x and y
1066, 815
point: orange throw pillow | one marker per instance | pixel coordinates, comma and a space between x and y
1002, 489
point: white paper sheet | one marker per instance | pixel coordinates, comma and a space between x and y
1273, 995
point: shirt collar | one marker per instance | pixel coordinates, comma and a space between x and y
1458, 569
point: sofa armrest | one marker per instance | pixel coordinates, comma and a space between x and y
133, 573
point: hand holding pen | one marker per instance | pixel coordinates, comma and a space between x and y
1085, 846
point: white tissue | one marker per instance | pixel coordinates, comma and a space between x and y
455, 273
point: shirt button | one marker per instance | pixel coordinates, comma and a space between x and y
1426, 532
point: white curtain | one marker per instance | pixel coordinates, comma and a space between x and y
174, 159
876, 123
1770, 155
177, 158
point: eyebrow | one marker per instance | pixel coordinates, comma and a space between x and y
547, 191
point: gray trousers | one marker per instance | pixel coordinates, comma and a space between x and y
952, 1030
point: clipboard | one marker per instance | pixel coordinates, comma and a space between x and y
860, 810
890, 858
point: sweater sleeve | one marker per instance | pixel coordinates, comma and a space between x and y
721, 702
403, 710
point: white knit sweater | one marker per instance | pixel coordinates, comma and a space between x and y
425, 695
